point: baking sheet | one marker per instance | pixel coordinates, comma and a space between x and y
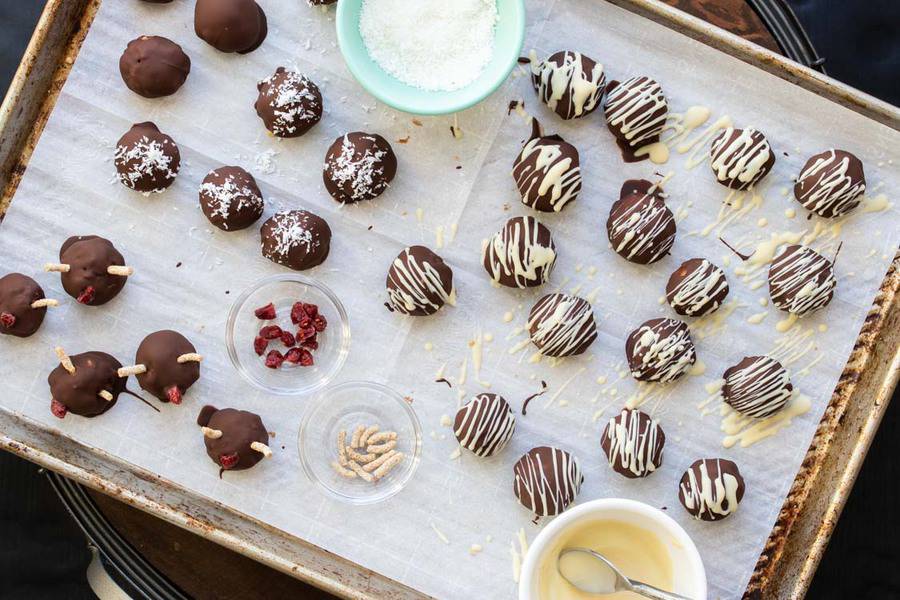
65, 191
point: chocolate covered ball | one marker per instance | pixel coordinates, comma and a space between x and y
569, 83
320, 2
660, 350
633, 443
419, 283
79, 392
740, 157
801, 280
17, 293
230, 25
169, 369
641, 228
562, 325
146, 159
636, 112
546, 480
711, 489
230, 198
297, 239
88, 278
831, 183
485, 424
758, 386
359, 166
547, 171
520, 255
154, 66
230, 443
289, 104
696, 288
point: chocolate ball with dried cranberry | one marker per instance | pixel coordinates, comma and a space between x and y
147, 159
18, 316
172, 365
359, 166
91, 388
235, 439
230, 25
96, 271
230, 198
153, 66
297, 239
289, 103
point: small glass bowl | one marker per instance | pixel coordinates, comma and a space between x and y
345, 406
283, 290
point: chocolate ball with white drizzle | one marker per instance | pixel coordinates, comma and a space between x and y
831, 183
562, 325
696, 288
484, 425
297, 239
547, 171
289, 103
801, 280
711, 489
546, 480
146, 159
640, 227
419, 282
521, 255
660, 350
569, 83
740, 158
230, 198
359, 166
636, 112
758, 386
633, 443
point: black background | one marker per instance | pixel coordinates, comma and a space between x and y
43, 555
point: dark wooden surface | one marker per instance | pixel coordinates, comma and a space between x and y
735, 16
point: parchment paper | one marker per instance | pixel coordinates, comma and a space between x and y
69, 188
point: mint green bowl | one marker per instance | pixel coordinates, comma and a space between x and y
510, 34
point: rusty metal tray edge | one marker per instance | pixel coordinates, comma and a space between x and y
808, 515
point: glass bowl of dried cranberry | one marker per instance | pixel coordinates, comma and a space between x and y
288, 334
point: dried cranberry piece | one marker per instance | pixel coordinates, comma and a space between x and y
259, 344
297, 312
227, 461
287, 338
319, 323
305, 334
306, 358
265, 313
312, 343
274, 359
311, 309
87, 295
7, 319
58, 408
174, 394
293, 355
270, 332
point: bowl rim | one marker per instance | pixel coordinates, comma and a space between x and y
416, 456
360, 73
344, 323
653, 515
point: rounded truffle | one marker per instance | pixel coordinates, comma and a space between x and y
569, 83
711, 489
636, 112
547, 172
320, 2
801, 280
520, 255
740, 157
79, 392
696, 288
641, 228
633, 444
359, 166
562, 325
88, 278
297, 239
289, 104
154, 66
230, 25
831, 183
660, 350
230, 198
231, 437
170, 371
485, 424
546, 480
146, 159
758, 386
17, 293
419, 283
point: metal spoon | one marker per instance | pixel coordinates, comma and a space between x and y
603, 577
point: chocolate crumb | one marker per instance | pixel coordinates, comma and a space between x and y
444, 380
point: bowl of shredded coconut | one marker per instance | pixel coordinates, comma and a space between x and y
430, 57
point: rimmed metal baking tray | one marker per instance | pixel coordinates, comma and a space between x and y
810, 511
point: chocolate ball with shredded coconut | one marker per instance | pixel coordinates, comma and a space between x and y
230, 198
297, 239
289, 103
147, 159
359, 166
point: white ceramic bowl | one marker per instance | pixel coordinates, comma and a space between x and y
687, 568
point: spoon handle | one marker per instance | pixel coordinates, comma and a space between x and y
648, 591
